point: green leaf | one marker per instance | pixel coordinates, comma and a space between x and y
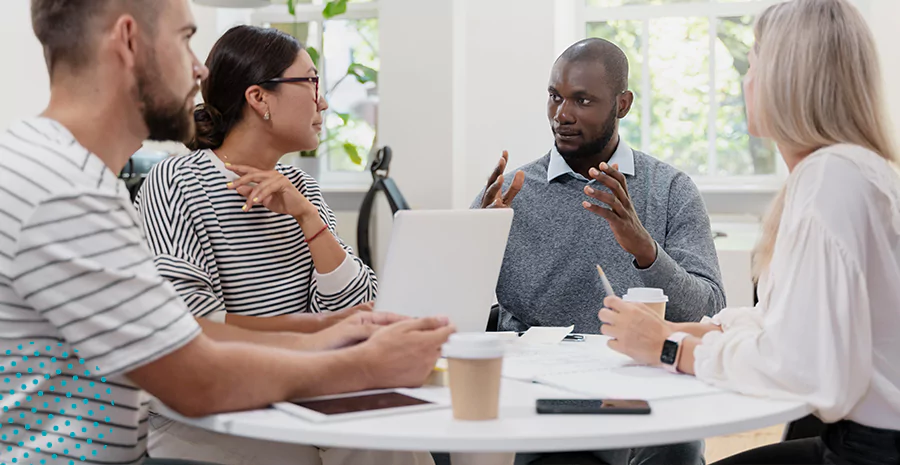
353, 152
334, 8
291, 8
314, 54
343, 116
363, 73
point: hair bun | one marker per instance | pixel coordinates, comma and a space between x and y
209, 128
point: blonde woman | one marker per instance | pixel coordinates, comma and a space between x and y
826, 327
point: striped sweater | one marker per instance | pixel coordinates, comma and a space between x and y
221, 258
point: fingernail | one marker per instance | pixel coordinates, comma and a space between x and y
589, 190
585, 204
244, 208
230, 185
256, 199
593, 172
603, 166
227, 164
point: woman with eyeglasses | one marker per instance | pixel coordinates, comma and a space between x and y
236, 232
240, 235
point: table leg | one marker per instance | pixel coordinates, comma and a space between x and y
494, 458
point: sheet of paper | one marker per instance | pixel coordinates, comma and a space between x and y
629, 382
508, 336
526, 362
545, 334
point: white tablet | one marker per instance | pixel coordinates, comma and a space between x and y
358, 405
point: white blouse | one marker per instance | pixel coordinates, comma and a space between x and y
827, 328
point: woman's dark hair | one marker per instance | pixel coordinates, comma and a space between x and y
242, 57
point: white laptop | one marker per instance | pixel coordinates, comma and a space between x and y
444, 262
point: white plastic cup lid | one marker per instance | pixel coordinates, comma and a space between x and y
649, 295
475, 346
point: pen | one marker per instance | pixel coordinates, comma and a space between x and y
606, 285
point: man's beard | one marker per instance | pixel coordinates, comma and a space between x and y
595, 146
168, 117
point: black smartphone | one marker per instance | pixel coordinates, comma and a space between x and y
593, 406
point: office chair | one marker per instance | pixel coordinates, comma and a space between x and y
494, 318
381, 182
132, 180
135, 172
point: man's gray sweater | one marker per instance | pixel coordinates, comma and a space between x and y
549, 277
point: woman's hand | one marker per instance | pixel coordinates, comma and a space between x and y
272, 190
635, 329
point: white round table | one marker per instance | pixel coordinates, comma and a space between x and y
519, 428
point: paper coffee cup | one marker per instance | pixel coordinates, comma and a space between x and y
475, 362
650, 296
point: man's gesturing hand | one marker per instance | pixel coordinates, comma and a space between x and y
494, 197
622, 217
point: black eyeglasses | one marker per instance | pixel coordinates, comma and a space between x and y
288, 80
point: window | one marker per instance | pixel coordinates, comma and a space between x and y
687, 61
348, 65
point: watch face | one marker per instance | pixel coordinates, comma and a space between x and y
669, 352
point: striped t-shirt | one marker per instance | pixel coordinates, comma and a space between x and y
221, 258
80, 302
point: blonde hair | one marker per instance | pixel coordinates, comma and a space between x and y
817, 83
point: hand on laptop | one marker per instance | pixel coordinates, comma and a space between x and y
404, 354
494, 197
354, 329
330, 319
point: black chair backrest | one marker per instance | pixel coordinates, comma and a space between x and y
381, 182
132, 180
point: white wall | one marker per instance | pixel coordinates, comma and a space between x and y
471, 84
24, 78
26, 87
507, 66
416, 97
884, 18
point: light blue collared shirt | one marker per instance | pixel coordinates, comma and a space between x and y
623, 155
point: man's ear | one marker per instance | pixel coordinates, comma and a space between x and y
623, 103
256, 100
123, 40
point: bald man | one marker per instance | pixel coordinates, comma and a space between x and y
594, 200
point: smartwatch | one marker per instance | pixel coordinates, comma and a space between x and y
671, 351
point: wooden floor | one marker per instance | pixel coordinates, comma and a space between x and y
725, 446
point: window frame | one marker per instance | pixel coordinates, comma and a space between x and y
311, 13
712, 10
